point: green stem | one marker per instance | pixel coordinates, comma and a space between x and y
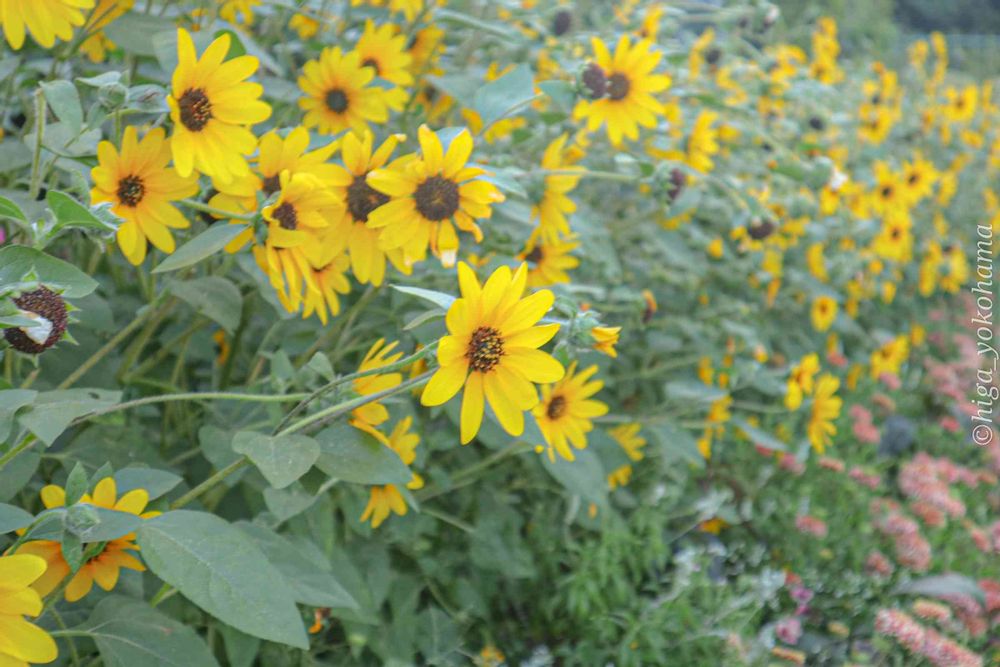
194, 396
327, 388
165, 592
101, 353
341, 409
36, 160
210, 483
23, 445
468, 474
205, 208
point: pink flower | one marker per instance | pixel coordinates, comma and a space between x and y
891, 380
788, 630
810, 525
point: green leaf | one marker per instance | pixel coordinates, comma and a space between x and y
500, 97
9, 209
13, 518
129, 632
584, 477
155, 482
352, 456
282, 459
76, 484
693, 390
64, 100
437, 298
759, 437
241, 648
100, 80
304, 567
214, 297
53, 411
110, 525
562, 93
70, 213
12, 400
677, 444
148, 98
133, 32
943, 585
206, 244
18, 261
17, 473
221, 570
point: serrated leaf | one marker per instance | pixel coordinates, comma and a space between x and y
217, 567
129, 632
352, 456
206, 244
282, 459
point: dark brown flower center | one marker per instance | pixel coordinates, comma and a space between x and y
437, 198
286, 216
595, 80
913, 179
362, 199
761, 231
196, 109
485, 349
887, 192
131, 190
562, 22
47, 304
336, 100
535, 256
556, 407
371, 62
271, 184
618, 86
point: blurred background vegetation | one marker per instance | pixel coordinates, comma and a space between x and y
886, 27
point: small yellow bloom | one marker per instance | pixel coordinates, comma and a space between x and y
824, 312
46, 20
605, 339
368, 417
103, 568
566, 411
385, 499
825, 410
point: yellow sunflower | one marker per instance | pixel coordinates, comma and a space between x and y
385, 499
331, 281
824, 312
553, 205
372, 415
276, 154
383, 49
895, 238
350, 184
888, 193
301, 236
548, 262
918, 179
800, 380
339, 94
566, 409
140, 186
429, 193
890, 357
44, 19
825, 410
103, 568
621, 89
20, 641
492, 350
211, 107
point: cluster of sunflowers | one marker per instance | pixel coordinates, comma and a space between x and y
763, 225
